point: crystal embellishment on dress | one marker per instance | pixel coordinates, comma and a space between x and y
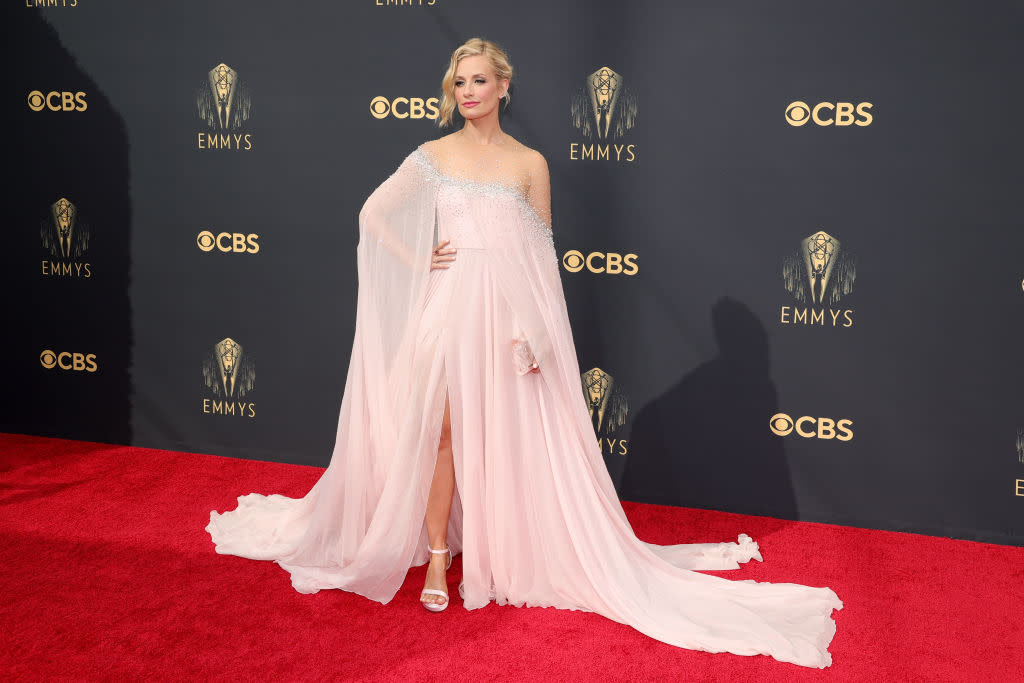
522, 356
540, 234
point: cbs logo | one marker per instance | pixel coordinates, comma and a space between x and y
68, 361
404, 108
228, 241
600, 262
826, 113
57, 101
825, 428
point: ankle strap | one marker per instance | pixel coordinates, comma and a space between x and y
438, 552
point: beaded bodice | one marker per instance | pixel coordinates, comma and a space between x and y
459, 207
467, 207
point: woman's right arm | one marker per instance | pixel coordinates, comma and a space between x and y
394, 201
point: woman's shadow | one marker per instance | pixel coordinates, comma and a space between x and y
706, 442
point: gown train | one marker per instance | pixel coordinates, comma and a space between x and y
535, 514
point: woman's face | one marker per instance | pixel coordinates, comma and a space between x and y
477, 89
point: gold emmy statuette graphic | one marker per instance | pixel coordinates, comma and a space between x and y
604, 85
227, 372
606, 405
64, 213
223, 102
821, 272
1020, 445
63, 236
604, 108
820, 251
229, 356
222, 83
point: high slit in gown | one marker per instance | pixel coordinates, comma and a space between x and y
535, 514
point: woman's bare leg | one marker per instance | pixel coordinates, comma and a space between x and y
439, 506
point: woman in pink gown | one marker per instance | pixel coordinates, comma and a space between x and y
463, 426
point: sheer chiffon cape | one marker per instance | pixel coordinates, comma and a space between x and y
361, 525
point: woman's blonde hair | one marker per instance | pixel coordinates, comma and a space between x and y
472, 47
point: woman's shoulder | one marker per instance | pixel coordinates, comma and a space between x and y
436, 145
526, 154
530, 163
531, 160
433, 152
449, 140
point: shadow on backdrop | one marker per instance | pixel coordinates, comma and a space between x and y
67, 245
706, 443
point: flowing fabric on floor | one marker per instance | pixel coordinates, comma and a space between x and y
535, 514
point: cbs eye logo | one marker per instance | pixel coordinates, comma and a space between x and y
66, 360
824, 428
228, 242
828, 114
57, 101
610, 262
404, 108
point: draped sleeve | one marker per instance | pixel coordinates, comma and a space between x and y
396, 233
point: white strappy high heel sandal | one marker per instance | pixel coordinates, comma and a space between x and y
433, 606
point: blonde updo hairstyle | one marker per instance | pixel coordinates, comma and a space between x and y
472, 47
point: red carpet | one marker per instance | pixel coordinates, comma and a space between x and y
108, 574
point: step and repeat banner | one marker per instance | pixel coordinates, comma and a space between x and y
789, 234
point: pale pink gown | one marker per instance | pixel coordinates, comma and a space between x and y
535, 514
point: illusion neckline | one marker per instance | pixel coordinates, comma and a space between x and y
424, 157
